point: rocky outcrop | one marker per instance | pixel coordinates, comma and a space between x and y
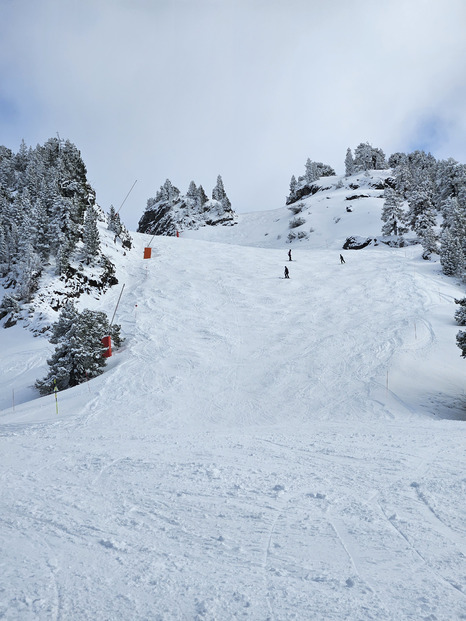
356, 243
170, 212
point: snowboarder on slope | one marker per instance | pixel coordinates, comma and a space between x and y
287, 273
342, 260
289, 254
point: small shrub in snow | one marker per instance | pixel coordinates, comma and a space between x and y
295, 222
295, 209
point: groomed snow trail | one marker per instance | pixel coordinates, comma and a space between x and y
256, 450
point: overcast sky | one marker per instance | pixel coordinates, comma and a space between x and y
249, 89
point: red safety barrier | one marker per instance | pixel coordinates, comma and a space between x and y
107, 343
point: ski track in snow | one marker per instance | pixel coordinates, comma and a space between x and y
255, 450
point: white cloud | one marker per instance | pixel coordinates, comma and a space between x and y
248, 89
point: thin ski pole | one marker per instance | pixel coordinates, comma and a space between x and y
55, 390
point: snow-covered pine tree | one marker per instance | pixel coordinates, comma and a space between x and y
363, 157
293, 188
219, 191
78, 355
324, 170
91, 239
449, 210
203, 198
86, 346
28, 267
21, 159
114, 222
226, 205
310, 174
12, 240
451, 254
403, 180
4, 254
62, 227
42, 209
450, 178
349, 163
455, 221
167, 193
73, 169
66, 318
367, 157
7, 172
396, 159
461, 342
428, 239
41, 238
61, 362
379, 161
193, 199
64, 254
219, 194
192, 193
393, 214
421, 213
460, 313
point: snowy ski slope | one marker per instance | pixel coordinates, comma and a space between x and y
260, 448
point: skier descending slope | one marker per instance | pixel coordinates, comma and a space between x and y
287, 273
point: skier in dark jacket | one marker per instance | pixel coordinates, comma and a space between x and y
289, 254
342, 260
287, 273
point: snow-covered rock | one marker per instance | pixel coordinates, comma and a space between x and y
170, 212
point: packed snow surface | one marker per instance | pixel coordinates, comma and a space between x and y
260, 448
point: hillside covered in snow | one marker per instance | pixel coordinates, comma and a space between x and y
259, 447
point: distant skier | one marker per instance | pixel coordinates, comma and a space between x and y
342, 260
287, 273
289, 254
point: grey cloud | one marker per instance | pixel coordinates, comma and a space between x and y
247, 89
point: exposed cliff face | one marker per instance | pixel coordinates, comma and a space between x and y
158, 220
